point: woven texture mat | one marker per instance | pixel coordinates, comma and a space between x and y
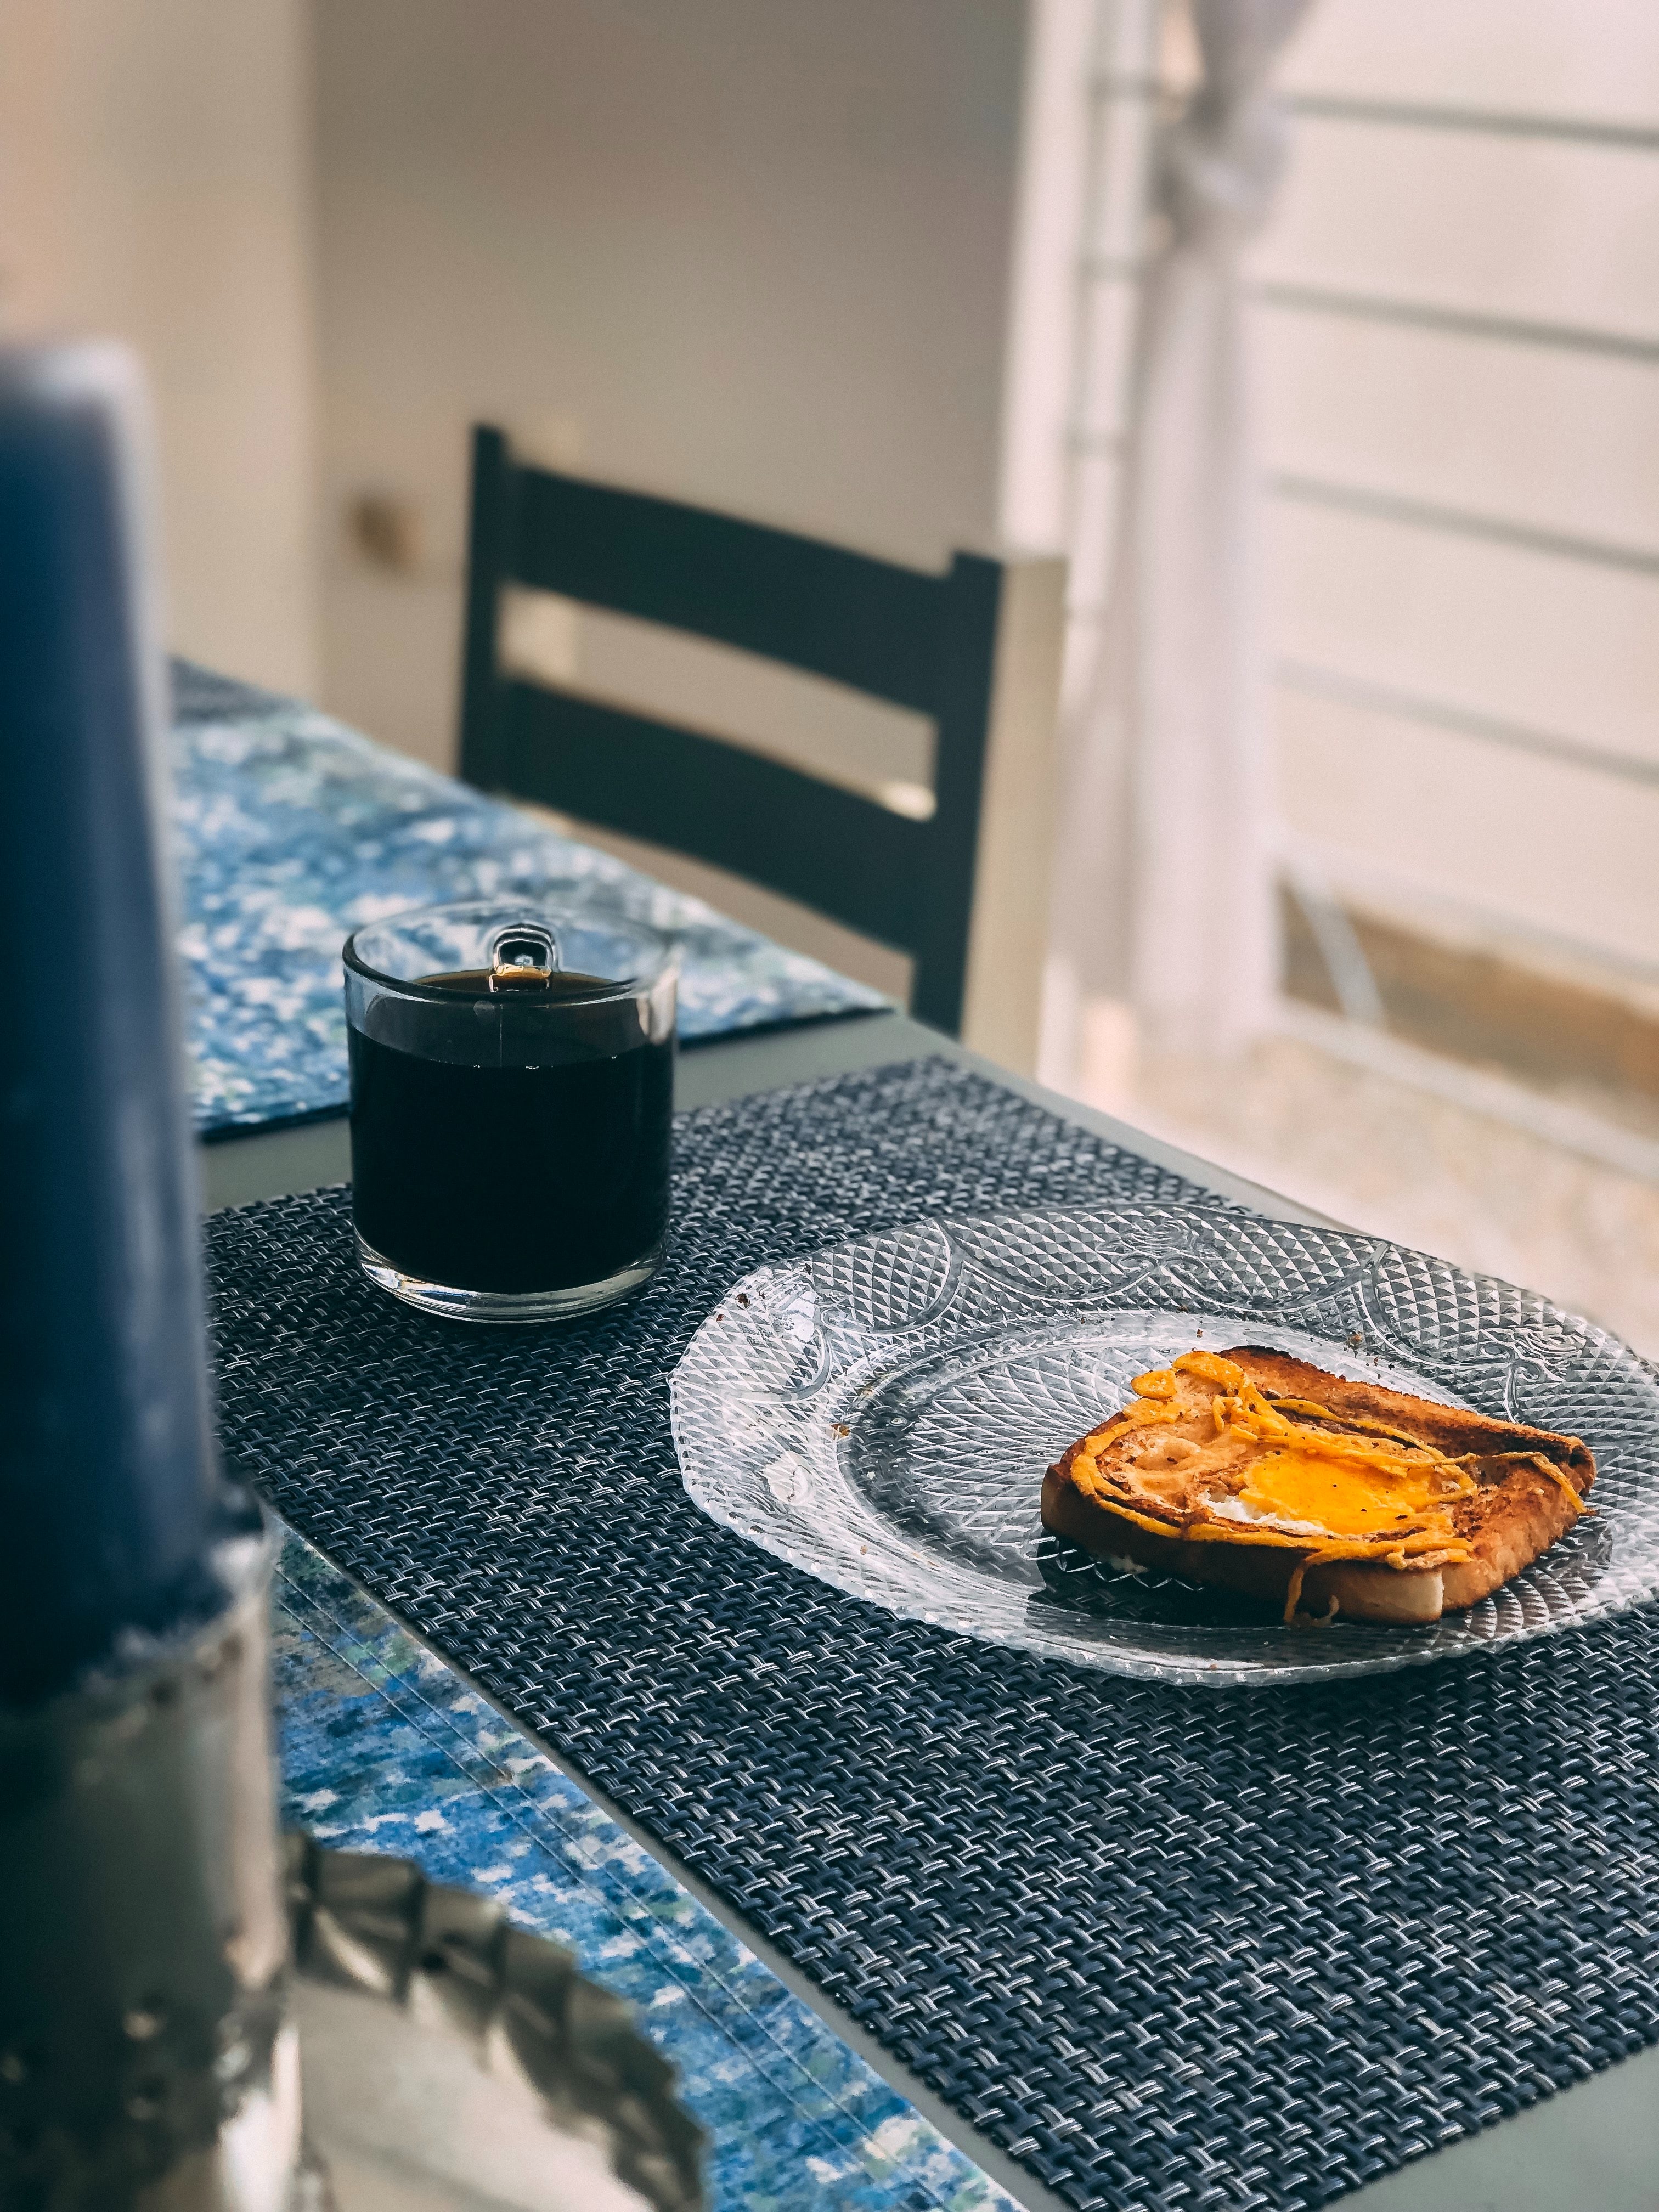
1169, 1948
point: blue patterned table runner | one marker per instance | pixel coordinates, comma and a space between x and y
292, 830
384, 1748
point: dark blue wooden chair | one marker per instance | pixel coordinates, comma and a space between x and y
929, 642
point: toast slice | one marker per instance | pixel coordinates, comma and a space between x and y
1258, 1472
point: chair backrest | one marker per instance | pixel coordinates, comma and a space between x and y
919, 641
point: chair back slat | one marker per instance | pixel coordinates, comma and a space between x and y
812, 840
865, 622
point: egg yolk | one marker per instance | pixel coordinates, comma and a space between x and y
1322, 1493
1272, 1465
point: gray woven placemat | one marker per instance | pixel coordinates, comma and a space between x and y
1168, 1947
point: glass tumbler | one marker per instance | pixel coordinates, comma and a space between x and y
512, 1101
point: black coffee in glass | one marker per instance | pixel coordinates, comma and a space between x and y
512, 1097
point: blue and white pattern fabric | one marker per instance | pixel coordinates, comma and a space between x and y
292, 830
385, 1748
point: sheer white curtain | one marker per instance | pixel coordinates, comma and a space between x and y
1163, 890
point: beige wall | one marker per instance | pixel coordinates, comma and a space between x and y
752, 252
155, 160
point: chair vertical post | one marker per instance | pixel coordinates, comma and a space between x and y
489, 566
967, 651
1008, 939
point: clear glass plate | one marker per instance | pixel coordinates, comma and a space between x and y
882, 1416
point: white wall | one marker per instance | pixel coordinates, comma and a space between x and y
750, 252
1063, 43
155, 185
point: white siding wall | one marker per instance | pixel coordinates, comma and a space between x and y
1500, 430
1458, 338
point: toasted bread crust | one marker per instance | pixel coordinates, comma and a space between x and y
1517, 1515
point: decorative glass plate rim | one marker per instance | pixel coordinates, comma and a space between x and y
768, 1398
